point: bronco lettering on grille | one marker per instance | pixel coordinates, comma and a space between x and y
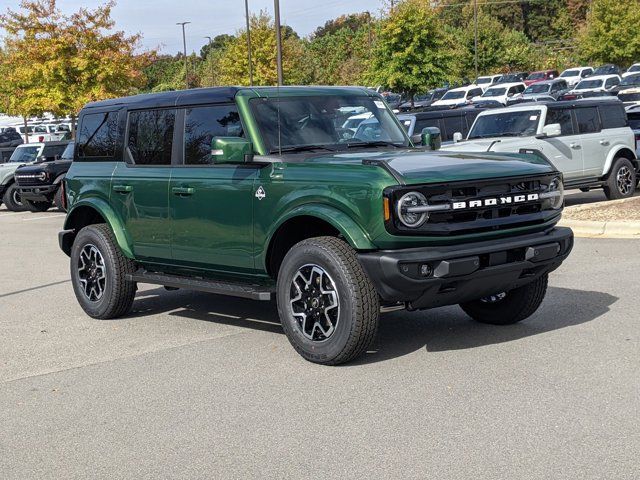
496, 201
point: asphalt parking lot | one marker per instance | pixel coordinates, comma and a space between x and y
197, 386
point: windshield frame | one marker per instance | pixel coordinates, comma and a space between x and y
21, 149
491, 117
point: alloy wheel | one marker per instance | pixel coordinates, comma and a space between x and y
624, 180
498, 297
92, 273
314, 302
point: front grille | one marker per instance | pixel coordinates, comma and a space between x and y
29, 180
471, 219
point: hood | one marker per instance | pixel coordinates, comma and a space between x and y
418, 167
40, 166
505, 144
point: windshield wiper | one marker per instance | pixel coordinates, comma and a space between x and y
301, 148
377, 143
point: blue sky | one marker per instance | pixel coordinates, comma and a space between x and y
156, 19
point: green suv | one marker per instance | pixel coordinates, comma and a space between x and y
261, 193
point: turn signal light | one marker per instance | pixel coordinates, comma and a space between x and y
387, 211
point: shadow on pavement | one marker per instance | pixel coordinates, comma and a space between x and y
400, 333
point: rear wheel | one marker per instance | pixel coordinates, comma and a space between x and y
622, 180
99, 273
508, 307
12, 200
328, 307
36, 206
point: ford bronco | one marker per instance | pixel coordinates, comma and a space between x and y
261, 193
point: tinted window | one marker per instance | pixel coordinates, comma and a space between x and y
613, 116
611, 82
634, 120
202, 124
453, 125
427, 122
588, 120
151, 136
50, 152
97, 135
561, 116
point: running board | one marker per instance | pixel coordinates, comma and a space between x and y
253, 292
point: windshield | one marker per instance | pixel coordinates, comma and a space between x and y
570, 73
451, 95
507, 124
25, 154
631, 80
494, 92
604, 70
586, 84
634, 68
536, 76
629, 97
299, 122
482, 80
537, 88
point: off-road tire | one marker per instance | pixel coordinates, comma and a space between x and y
11, 199
359, 307
516, 306
36, 206
611, 188
58, 201
119, 292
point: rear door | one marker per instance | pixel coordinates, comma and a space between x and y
565, 151
594, 148
139, 188
211, 205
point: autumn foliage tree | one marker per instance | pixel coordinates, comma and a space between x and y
56, 63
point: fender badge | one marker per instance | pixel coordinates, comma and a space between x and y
260, 193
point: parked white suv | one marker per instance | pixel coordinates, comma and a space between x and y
601, 83
458, 96
573, 75
589, 141
486, 81
501, 92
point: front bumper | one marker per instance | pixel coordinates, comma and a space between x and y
38, 193
430, 277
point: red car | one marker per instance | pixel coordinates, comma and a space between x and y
540, 76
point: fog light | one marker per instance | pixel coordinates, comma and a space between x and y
426, 270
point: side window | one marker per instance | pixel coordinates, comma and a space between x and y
51, 152
453, 125
561, 116
611, 82
150, 136
586, 73
427, 122
202, 124
613, 116
97, 135
588, 120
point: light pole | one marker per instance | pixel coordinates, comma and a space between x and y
276, 7
211, 59
246, 14
186, 62
475, 35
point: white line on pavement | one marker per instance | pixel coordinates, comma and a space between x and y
41, 218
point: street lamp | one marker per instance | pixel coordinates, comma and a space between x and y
186, 62
246, 14
276, 7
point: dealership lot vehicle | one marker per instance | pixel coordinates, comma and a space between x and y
635, 68
630, 97
486, 81
602, 83
588, 140
549, 90
458, 96
337, 230
540, 76
573, 75
40, 185
501, 92
631, 81
447, 121
607, 69
423, 101
633, 116
22, 155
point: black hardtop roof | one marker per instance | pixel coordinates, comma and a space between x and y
579, 102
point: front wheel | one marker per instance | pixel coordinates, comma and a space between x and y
12, 200
36, 206
328, 307
99, 273
622, 180
508, 307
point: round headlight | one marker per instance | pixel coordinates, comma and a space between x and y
412, 219
556, 193
42, 176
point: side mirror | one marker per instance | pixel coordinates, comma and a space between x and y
431, 138
231, 150
457, 137
551, 130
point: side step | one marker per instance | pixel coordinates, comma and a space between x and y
253, 292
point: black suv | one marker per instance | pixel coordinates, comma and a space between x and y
40, 184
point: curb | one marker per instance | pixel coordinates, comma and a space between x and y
589, 229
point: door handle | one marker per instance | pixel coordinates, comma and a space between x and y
183, 191
604, 142
575, 146
123, 188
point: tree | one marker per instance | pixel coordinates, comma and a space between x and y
233, 64
607, 35
56, 63
413, 52
217, 43
353, 22
577, 10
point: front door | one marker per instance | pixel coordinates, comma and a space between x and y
139, 187
211, 205
565, 151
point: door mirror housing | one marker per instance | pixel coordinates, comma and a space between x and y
231, 150
457, 137
431, 138
551, 130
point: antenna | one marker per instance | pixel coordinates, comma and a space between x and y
276, 7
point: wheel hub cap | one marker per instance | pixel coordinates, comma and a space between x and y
494, 298
624, 179
92, 273
314, 302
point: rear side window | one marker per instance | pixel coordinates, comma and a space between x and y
588, 120
50, 152
453, 125
97, 135
150, 136
613, 116
561, 116
634, 120
427, 122
202, 124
